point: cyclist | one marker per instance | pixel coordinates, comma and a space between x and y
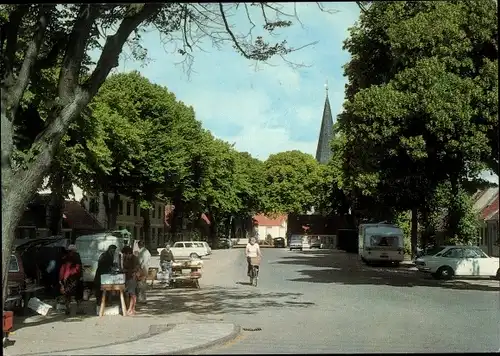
252, 250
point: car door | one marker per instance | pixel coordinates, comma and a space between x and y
179, 250
486, 265
454, 258
472, 262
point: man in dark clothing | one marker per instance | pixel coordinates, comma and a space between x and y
104, 266
166, 259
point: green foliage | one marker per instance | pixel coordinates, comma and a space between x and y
420, 101
292, 180
403, 220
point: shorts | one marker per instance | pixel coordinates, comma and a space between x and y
131, 287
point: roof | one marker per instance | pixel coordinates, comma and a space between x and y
78, 218
483, 197
490, 209
324, 151
493, 217
262, 220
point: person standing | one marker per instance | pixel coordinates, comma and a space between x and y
132, 270
104, 266
166, 259
144, 261
71, 278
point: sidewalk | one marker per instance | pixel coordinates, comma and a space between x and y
160, 339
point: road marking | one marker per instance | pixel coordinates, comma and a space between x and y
236, 340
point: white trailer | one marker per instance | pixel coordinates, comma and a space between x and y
381, 242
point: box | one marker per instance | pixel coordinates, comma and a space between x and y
38, 306
113, 278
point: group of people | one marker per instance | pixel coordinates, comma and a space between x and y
135, 266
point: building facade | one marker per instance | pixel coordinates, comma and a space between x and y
275, 227
129, 217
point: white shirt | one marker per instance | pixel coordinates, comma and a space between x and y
144, 258
252, 250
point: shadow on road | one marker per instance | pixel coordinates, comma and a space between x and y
343, 268
217, 301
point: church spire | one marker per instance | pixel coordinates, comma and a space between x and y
323, 151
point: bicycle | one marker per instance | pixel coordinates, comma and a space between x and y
254, 271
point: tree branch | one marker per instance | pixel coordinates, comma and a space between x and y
114, 44
12, 29
231, 34
70, 69
17, 90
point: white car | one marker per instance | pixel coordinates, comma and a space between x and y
204, 245
187, 249
448, 261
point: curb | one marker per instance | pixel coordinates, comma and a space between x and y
220, 341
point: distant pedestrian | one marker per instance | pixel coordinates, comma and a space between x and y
166, 259
144, 261
71, 278
133, 273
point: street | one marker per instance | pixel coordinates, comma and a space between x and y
326, 301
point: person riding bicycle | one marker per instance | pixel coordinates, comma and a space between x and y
252, 250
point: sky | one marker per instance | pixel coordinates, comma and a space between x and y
265, 109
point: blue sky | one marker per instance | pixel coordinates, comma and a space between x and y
263, 110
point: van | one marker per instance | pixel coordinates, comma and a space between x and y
90, 248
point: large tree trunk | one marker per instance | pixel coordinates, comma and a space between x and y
111, 209
414, 232
18, 186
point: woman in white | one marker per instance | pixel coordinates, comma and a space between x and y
252, 250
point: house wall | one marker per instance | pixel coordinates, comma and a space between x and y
129, 217
274, 231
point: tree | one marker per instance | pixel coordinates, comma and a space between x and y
416, 98
292, 182
33, 37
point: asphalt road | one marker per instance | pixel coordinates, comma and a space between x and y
326, 301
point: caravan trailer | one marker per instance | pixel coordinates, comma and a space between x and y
381, 242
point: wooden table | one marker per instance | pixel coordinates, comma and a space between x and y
113, 287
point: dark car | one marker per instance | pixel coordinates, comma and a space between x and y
279, 242
225, 243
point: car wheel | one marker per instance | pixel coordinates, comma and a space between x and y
194, 255
445, 272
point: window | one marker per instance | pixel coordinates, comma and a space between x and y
120, 207
141, 233
136, 232
129, 208
454, 253
136, 206
160, 208
153, 233
154, 211
94, 206
188, 244
13, 265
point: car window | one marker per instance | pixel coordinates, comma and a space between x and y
13, 266
188, 244
198, 244
473, 253
178, 244
454, 253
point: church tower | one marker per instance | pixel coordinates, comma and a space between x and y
323, 151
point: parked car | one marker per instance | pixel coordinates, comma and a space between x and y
187, 249
446, 262
205, 245
225, 243
279, 242
296, 243
16, 284
316, 244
